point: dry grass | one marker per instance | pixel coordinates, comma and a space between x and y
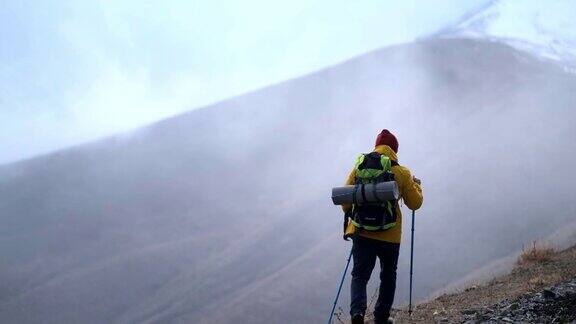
341, 316
538, 253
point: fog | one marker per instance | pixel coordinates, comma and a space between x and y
75, 71
224, 213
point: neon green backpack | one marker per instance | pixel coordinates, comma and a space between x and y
380, 216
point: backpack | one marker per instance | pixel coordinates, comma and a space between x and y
373, 168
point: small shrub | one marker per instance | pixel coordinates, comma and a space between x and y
537, 281
538, 253
340, 315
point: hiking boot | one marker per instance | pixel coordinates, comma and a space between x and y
358, 318
390, 320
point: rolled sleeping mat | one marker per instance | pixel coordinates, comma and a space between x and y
374, 193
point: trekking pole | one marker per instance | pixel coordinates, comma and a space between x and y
411, 264
340, 287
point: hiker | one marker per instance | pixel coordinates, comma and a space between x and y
384, 242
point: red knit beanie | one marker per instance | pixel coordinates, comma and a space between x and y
386, 138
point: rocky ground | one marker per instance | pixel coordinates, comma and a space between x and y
555, 304
542, 290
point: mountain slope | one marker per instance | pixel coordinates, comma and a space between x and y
541, 290
223, 213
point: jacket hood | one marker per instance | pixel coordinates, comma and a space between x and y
387, 151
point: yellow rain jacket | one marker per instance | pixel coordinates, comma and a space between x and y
410, 192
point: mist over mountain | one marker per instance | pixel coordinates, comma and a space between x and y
546, 29
223, 213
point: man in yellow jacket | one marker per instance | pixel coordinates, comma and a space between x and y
384, 245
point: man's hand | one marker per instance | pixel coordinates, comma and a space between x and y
416, 180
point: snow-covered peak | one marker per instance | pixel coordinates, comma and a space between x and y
544, 28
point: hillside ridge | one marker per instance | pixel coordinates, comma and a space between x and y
508, 297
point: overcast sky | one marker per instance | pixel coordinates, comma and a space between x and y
73, 71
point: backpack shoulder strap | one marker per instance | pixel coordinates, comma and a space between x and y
359, 160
